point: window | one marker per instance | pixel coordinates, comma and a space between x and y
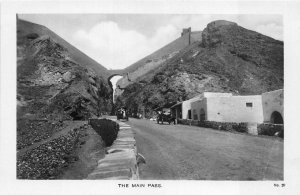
249, 104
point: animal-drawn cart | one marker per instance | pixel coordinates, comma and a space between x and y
163, 116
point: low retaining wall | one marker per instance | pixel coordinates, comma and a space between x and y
120, 161
107, 129
251, 128
240, 127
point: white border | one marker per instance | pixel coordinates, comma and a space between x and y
8, 183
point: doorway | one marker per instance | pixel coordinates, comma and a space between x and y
276, 118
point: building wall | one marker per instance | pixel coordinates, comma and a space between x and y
196, 36
196, 108
187, 105
195, 104
177, 111
234, 109
272, 101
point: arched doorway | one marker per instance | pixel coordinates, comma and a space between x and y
276, 118
202, 115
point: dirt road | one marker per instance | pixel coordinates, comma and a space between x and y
187, 152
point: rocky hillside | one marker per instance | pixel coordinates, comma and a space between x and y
56, 81
155, 59
228, 58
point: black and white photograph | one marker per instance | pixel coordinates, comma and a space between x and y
134, 96
146, 101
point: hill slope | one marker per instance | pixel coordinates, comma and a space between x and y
27, 28
230, 58
155, 59
55, 80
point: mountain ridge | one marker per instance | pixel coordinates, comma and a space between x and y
228, 58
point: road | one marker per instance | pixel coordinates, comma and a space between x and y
186, 152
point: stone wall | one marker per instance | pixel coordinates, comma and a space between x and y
153, 60
107, 129
239, 127
121, 159
196, 36
250, 128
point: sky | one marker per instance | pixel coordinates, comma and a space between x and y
119, 40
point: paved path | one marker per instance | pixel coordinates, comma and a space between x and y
187, 152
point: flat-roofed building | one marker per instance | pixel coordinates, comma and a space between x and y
184, 109
229, 109
226, 107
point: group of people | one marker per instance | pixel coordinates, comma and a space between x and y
122, 114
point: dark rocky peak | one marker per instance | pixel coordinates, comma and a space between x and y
214, 33
227, 33
219, 23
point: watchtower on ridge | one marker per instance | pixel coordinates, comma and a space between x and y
187, 31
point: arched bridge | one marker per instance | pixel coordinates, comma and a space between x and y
117, 72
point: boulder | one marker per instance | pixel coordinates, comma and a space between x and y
67, 76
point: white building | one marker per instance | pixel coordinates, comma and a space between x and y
224, 107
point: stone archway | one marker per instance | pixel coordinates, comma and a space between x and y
112, 80
202, 115
276, 118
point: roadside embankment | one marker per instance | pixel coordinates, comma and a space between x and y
121, 159
48, 159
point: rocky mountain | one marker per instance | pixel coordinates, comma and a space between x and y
56, 81
227, 58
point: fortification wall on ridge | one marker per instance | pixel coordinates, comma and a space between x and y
155, 59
